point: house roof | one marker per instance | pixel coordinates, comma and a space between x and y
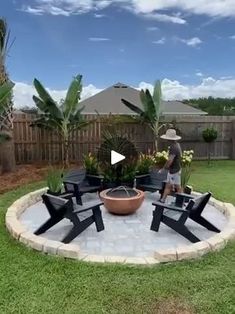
109, 101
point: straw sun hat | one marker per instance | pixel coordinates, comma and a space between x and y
171, 135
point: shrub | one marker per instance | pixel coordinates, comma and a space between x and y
55, 180
209, 135
144, 163
186, 160
160, 158
91, 164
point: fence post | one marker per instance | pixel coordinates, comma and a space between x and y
233, 139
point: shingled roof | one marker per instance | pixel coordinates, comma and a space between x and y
109, 101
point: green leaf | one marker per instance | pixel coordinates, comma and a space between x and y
50, 105
73, 96
151, 110
5, 90
157, 95
132, 107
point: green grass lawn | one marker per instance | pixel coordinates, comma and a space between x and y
31, 282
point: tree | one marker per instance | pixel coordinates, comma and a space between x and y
209, 135
150, 113
63, 117
5, 90
6, 116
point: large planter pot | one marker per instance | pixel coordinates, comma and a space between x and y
121, 204
54, 193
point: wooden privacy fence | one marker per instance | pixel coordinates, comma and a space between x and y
37, 145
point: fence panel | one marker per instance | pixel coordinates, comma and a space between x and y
37, 145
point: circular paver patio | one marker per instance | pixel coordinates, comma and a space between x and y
123, 235
126, 239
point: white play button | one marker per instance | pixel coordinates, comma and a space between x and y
116, 157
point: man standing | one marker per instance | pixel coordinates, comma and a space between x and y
173, 164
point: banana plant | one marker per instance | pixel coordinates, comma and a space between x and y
63, 117
150, 113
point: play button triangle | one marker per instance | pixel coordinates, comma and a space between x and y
116, 157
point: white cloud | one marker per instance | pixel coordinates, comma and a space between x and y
152, 28
98, 39
160, 41
34, 11
23, 93
216, 8
172, 90
199, 74
193, 42
164, 18
99, 16
208, 87
232, 37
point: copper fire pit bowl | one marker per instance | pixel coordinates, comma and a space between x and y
122, 200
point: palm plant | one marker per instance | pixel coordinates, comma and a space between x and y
150, 113
63, 117
6, 110
5, 90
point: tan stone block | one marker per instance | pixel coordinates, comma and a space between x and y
12, 212
231, 223
167, 255
94, 258
228, 234
25, 237
14, 226
201, 247
36, 196
219, 205
216, 242
36, 242
212, 201
196, 193
229, 209
81, 256
51, 247
69, 250
17, 230
115, 259
186, 252
136, 260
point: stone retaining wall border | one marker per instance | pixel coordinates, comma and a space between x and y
193, 251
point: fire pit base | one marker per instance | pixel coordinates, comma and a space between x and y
122, 200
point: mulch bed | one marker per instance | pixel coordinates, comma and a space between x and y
24, 174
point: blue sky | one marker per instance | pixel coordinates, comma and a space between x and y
188, 45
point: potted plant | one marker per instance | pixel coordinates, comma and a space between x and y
91, 164
54, 181
160, 159
144, 164
128, 174
186, 160
110, 176
209, 135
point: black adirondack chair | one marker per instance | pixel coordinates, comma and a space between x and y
176, 216
152, 182
81, 216
79, 182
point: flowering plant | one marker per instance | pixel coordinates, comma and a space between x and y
186, 160
144, 163
160, 158
91, 164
